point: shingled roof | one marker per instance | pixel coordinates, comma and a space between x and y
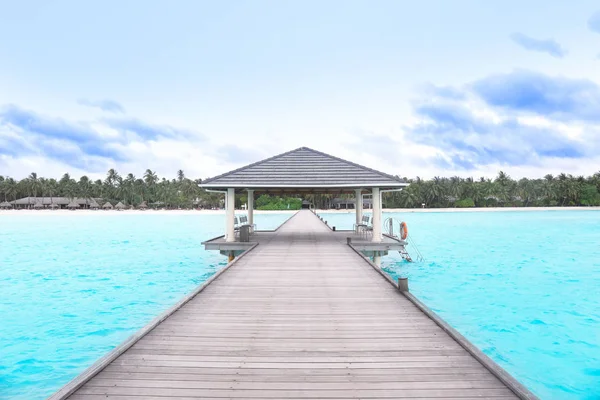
303, 169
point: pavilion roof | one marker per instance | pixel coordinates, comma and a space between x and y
303, 170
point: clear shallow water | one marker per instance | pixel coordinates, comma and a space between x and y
72, 287
523, 286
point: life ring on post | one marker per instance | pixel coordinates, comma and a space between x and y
403, 230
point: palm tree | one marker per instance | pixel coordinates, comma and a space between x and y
111, 176
129, 187
150, 177
51, 188
409, 197
34, 184
84, 187
503, 179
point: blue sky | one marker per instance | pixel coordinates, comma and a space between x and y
413, 88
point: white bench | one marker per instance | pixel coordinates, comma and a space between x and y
364, 223
238, 222
366, 226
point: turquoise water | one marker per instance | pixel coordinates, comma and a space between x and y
75, 286
523, 286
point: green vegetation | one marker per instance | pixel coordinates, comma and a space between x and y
464, 203
182, 192
266, 202
503, 191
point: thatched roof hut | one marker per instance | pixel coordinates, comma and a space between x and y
5, 204
38, 205
54, 205
73, 205
143, 206
120, 206
27, 202
107, 206
94, 204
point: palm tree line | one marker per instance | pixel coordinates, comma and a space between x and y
129, 189
503, 191
182, 192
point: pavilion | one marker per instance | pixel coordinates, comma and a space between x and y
304, 171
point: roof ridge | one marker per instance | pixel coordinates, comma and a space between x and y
355, 164
251, 165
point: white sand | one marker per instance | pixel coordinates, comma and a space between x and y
207, 212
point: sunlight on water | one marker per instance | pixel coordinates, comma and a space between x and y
75, 286
523, 286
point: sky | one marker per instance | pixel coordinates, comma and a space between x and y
413, 88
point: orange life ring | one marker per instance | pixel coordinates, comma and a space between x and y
403, 230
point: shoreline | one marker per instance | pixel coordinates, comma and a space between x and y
351, 211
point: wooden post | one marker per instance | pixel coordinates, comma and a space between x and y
348, 240
403, 284
231, 256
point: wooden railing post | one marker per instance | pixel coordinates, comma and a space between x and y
403, 284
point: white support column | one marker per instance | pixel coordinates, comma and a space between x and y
250, 208
358, 206
377, 259
230, 215
377, 237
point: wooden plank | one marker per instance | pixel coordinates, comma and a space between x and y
293, 376
308, 372
136, 397
469, 362
296, 359
259, 384
186, 350
286, 322
295, 393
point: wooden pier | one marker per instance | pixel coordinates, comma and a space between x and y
300, 315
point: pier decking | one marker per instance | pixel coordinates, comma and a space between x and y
303, 316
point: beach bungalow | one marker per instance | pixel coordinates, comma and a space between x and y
59, 202
158, 204
93, 204
107, 206
73, 205
5, 205
38, 205
143, 206
120, 206
343, 204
